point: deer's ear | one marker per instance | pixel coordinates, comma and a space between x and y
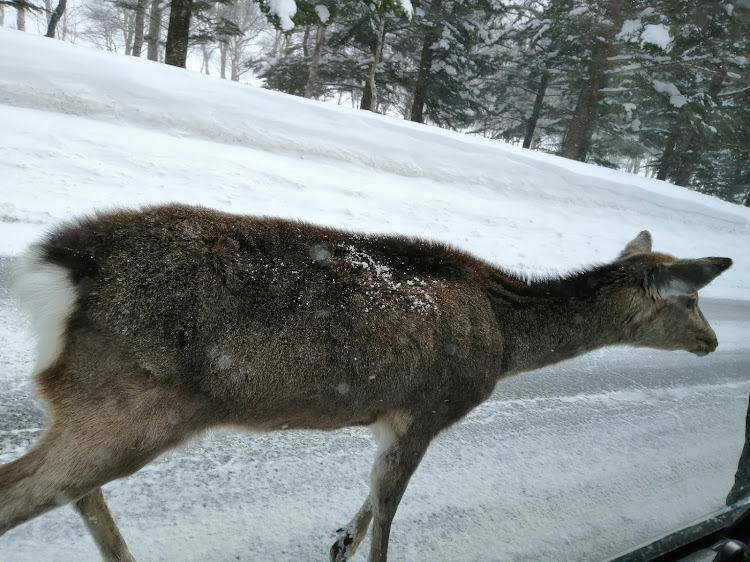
641, 243
685, 277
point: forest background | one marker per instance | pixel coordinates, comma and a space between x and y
653, 87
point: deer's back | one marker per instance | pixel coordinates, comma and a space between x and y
281, 322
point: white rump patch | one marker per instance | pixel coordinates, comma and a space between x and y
46, 293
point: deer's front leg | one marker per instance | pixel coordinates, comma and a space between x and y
403, 441
391, 476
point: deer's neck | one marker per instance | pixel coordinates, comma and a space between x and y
546, 322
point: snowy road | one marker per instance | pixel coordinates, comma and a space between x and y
576, 462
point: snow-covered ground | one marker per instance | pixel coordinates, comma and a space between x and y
575, 464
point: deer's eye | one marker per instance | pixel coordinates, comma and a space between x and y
692, 302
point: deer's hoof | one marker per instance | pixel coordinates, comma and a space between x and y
339, 548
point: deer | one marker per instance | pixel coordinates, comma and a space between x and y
155, 324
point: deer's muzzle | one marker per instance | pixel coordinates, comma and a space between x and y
706, 346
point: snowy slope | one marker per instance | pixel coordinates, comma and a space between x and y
83, 129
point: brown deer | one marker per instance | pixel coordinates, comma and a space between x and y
157, 324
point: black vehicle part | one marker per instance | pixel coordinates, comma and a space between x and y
731, 551
722, 537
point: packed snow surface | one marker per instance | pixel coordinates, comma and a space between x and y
575, 463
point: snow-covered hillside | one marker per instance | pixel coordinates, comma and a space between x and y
83, 129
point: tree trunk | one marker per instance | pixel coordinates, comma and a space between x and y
223, 47
635, 165
234, 67
234, 58
277, 41
48, 10
2, 15
178, 33
577, 138
536, 110
667, 157
366, 101
154, 31
312, 77
305, 42
422, 86
140, 16
21, 19
55, 17
686, 163
206, 59
128, 30
740, 183
370, 94
63, 27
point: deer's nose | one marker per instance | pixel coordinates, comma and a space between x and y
706, 346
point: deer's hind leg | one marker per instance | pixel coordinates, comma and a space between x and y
95, 514
104, 427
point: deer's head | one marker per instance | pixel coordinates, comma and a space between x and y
660, 295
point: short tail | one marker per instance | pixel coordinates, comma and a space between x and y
47, 294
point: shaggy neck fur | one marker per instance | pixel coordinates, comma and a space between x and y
547, 321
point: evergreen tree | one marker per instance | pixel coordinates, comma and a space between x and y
539, 52
710, 62
455, 45
353, 38
607, 20
682, 96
